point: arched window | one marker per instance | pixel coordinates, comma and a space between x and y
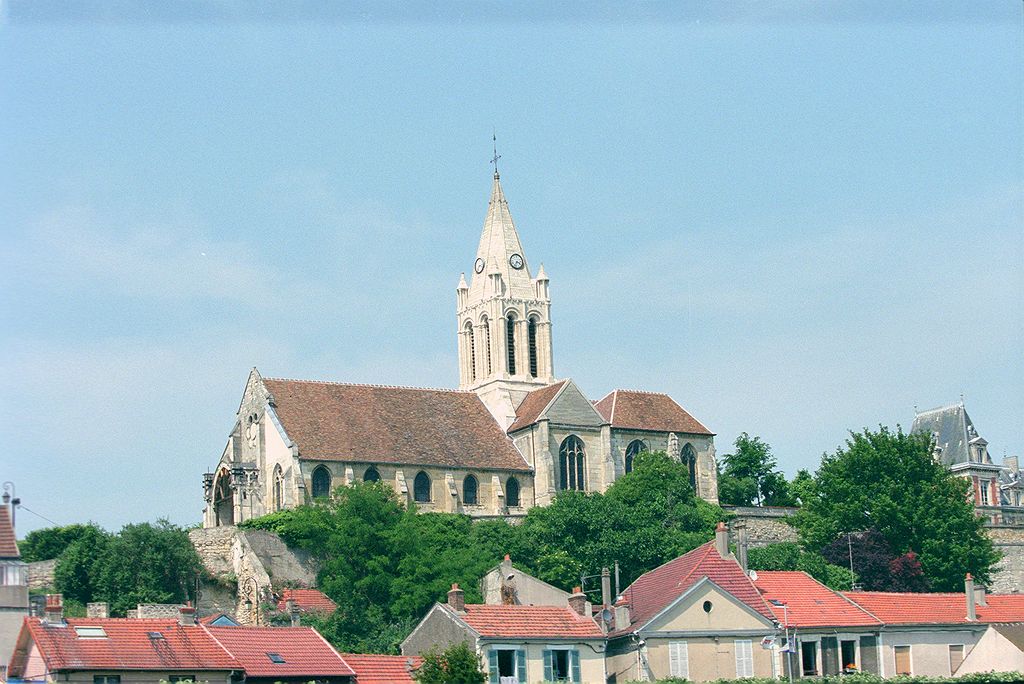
472, 351
571, 456
223, 499
512, 492
487, 342
321, 482
421, 487
632, 449
278, 488
510, 343
470, 488
688, 456
371, 475
531, 329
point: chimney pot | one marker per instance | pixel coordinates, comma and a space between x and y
457, 599
187, 615
578, 602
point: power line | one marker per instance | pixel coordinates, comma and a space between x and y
26, 508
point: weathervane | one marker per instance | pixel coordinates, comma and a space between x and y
494, 139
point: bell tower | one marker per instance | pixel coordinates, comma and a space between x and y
504, 317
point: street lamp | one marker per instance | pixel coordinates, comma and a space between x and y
789, 644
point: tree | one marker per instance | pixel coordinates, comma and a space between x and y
889, 481
802, 486
871, 558
78, 564
457, 664
51, 542
789, 556
750, 476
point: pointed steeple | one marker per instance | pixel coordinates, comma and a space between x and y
500, 253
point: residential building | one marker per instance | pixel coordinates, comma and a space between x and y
306, 601
283, 655
508, 585
382, 669
13, 585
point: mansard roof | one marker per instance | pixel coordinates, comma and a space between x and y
532, 407
952, 430
330, 421
653, 411
8, 542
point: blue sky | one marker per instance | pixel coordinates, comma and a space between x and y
796, 220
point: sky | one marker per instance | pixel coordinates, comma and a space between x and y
798, 219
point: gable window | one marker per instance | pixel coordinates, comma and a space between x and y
506, 665
510, 343
470, 488
512, 492
571, 457
744, 658
531, 333
562, 665
632, 449
472, 351
371, 475
678, 659
321, 482
421, 487
903, 665
278, 488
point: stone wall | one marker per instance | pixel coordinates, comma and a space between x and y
1008, 576
40, 574
765, 525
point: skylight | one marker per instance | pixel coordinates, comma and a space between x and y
155, 635
275, 658
90, 633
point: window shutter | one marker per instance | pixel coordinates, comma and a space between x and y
521, 666
549, 670
678, 659
574, 665
744, 658
492, 658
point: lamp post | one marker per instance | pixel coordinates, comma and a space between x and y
789, 644
252, 601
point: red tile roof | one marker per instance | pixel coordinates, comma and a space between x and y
304, 651
524, 622
922, 609
531, 408
808, 602
635, 410
653, 591
382, 669
307, 600
403, 425
8, 543
128, 645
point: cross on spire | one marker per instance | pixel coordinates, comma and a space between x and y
494, 160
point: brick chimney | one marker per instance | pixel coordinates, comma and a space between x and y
972, 614
722, 540
187, 615
99, 609
54, 608
457, 599
293, 612
578, 601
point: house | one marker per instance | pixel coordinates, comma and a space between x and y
307, 601
288, 655
1002, 644
507, 585
518, 643
13, 584
382, 669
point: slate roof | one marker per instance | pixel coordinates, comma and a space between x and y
532, 406
304, 651
808, 602
382, 669
308, 600
523, 622
401, 425
8, 542
635, 410
653, 591
936, 609
953, 431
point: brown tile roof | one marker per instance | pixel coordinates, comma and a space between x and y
524, 622
635, 410
8, 544
533, 406
402, 425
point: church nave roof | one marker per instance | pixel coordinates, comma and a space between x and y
636, 410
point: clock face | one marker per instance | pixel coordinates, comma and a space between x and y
516, 261
479, 266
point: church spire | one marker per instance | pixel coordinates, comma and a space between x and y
501, 267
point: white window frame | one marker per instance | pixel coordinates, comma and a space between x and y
983, 487
737, 645
679, 666
910, 657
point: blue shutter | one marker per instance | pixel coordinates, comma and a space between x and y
549, 670
521, 666
574, 665
492, 658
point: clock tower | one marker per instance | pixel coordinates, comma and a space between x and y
504, 318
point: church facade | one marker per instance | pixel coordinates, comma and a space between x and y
510, 437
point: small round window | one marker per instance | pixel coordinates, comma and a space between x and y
707, 606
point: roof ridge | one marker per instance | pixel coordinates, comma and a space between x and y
639, 391
696, 565
371, 384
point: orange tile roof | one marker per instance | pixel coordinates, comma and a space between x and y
305, 653
636, 410
382, 669
808, 602
922, 609
533, 405
307, 600
8, 543
653, 591
524, 622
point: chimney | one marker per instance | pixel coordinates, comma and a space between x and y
741, 545
187, 615
457, 599
969, 595
979, 596
722, 540
578, 602
606, 587
54, 608
100, 609
293, 612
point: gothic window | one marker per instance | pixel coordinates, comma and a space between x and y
531, 330
510, 343
278, 488
321, 482
223, 500
512, 492
487, 343
689, 458
371, 475
421, 487
632, 449
472, 351
470, 488
571, 457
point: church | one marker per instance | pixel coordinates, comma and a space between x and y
510, 437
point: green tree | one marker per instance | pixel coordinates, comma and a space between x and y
750, 476
889, 481
78, 564
789, 556
802, 486
457, 664
51, 542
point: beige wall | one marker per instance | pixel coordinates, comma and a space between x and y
592, 662
929, 650
992, 652
530, 591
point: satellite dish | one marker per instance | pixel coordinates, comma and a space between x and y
753, 575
